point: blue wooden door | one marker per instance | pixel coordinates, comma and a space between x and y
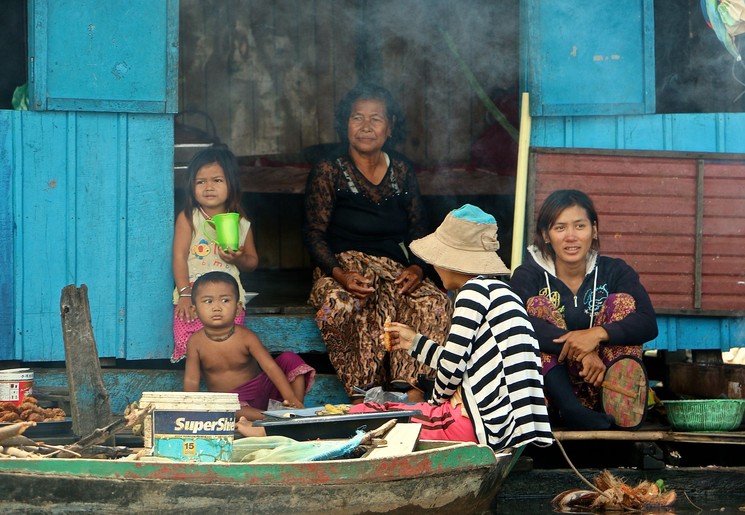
94, 206
589, 57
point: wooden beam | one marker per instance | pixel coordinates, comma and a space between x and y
727, 437
90, 405
699, 236
443, 182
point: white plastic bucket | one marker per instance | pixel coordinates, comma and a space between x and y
190, 426
16, 384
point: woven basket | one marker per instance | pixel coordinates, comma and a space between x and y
705, 414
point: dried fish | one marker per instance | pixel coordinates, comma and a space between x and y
14, 429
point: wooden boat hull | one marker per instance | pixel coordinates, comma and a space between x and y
465, 477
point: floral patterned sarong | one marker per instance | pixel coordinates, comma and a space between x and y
351, 327
616, 307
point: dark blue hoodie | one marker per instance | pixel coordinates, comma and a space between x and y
537, 276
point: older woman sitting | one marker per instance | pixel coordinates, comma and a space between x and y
362, 209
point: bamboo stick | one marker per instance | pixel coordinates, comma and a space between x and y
479, 90
521, 184
610, 435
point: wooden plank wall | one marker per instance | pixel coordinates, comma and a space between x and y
91, 204
684, 132
651, 207
7, 339
269, 74
443, 113
723, 250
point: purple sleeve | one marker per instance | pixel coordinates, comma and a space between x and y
527, 284
641, 326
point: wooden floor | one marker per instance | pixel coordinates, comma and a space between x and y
654, 435
655, 446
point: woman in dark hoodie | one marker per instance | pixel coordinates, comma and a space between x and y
591, 316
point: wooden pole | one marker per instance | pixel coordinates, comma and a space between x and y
521, 184
90, 404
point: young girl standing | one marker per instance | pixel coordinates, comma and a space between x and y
214, 188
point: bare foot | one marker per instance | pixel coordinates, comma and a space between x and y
246, 428
415, 395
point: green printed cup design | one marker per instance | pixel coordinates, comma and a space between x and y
226, 229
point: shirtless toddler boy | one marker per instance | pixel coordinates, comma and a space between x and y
233, 359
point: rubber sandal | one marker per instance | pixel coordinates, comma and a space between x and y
625, 392
399, 385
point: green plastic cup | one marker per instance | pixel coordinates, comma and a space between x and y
226, 227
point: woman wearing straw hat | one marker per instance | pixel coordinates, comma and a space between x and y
491, 358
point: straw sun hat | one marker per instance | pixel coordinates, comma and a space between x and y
466, 242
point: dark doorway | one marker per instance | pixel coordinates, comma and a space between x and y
694, 71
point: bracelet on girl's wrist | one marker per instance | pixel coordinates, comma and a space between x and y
184, 294
184, 288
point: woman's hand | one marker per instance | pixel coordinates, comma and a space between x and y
185, 311
593, 369
578, 344
402, 336
354, 282
409, 279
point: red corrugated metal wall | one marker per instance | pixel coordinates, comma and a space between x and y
677, 218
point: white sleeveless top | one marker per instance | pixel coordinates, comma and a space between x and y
203, 256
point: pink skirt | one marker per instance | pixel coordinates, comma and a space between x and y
443, 422
257, 392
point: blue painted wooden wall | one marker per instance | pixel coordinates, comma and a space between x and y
89, 178
562, 40
7, 340
90, 202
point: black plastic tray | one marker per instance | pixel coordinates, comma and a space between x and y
330, 426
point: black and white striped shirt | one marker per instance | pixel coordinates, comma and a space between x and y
492, 353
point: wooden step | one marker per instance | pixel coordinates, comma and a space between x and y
126, 385
287, 332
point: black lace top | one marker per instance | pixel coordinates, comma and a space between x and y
344, 211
